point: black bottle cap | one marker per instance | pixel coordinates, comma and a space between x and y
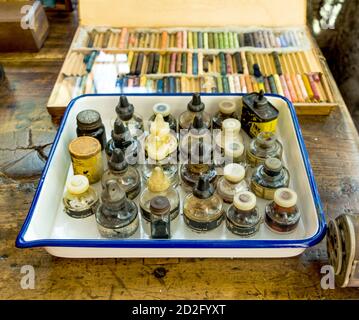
203, 188
260, 100
124, 109
117, 161
88, 120
196, 105
160, 206
119, 127
198, 122
112, 196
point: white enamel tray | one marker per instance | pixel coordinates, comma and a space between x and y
47, 225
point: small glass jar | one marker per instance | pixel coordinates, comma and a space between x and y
282, 214
122, 139
116, 217
160, 218
86, 158
194, 107
165, 110
232, 182
127, 176
203, 209
89, 123
264, 146
159, 185
269, 177
80, 199
134, 122
227, 110
243, 218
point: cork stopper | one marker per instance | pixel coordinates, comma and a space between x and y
124, 109
233, 150
88, 120
195, 105
231, 125
162, 108
234, 172
77, 184
227, 106
244, 200
285, 197
84, 147
158, 181
160, 206
273, 164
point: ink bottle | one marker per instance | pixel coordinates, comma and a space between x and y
199, 165
258, 114
232, 182
194, 107
126, 176
165, 110
242, 217
282, 214
269, 177
89, 123
116, 217
161, 150
234, 153
159, 185
264, 146
86, 157
121, 138
80, 199
227, 110
203, 208
160, 218
134, 122
229, 134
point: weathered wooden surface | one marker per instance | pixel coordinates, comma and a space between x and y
26, 132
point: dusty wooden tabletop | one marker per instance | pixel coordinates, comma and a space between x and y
26, 134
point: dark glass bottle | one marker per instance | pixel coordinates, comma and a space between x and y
258, 114
227, 110
282, 214
194, 107
269, 177
203, 209
160, 218
122, 139
116, 217
89, 123
165, 110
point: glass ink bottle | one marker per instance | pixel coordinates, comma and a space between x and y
282, 214
89, 123
234, 153
229, 134
161, 150
269, 177
121, 138
203, 208
242, 217
227, 110
80, 199
134, 122
127, 176
232, 182
160, 218
199, 165
165, 110
264, 146
258, 114
194, 107
116, 217
159, 185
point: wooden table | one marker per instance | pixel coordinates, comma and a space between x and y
26, 133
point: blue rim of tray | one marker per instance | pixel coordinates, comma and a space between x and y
177, 243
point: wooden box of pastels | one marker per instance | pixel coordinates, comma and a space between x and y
176, 176
211, 46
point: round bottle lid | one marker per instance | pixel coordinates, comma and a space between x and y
273, 164
77, 184
285, 197
158, 181
160, 206
244, 200
227, 106
231, 125
233, 149
162, 108
234, 172
84, 147
88, 120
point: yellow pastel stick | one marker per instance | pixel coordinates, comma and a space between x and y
278, 84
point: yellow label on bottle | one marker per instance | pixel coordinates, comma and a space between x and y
262, 192
91, 167
258, 127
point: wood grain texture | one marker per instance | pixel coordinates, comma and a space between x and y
26, 132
